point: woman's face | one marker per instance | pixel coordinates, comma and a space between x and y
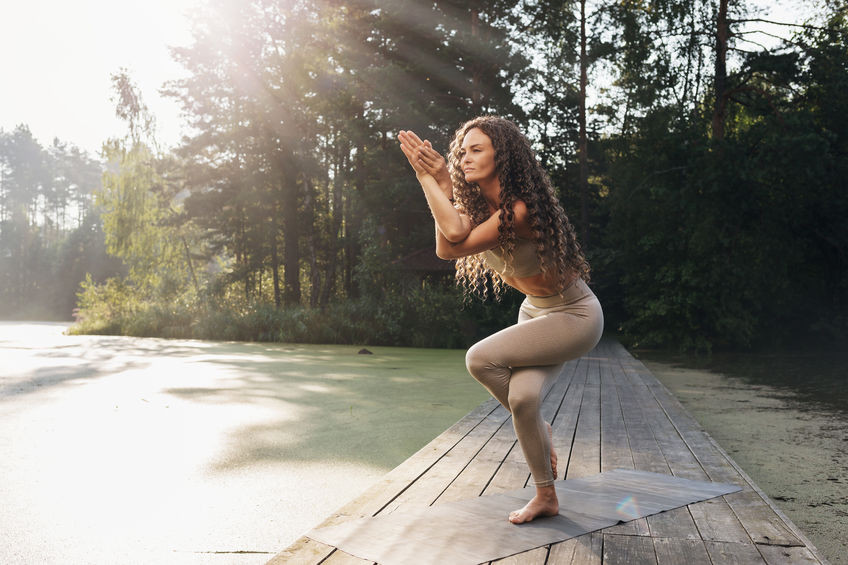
477, 157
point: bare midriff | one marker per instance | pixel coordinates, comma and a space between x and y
538, 285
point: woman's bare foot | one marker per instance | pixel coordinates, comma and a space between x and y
553, 453
545, 503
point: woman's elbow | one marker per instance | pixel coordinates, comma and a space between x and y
444, 252
456, 236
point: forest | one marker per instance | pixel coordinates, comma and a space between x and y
704, 172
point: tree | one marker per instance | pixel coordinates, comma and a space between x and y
135, 204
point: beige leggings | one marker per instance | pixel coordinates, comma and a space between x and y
519, 364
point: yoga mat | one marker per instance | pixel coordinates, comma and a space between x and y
476, 530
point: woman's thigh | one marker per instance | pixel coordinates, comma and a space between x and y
545, 340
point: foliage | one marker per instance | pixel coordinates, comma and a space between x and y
49, 233
713, 183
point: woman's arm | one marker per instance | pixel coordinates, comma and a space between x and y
483, 237
454, 226
429, 166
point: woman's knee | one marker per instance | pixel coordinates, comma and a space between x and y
476, 361
522, 402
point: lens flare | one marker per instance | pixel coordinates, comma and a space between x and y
628, 508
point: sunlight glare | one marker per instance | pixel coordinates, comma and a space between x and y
57, 80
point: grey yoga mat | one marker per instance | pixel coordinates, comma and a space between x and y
476, 530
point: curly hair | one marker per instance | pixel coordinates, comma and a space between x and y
521, 177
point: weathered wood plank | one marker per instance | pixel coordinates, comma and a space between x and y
616, 448
582, 550
585, 458
563, 553
674, 551
472, 480
720, 523
565, 421
628, 550
729, 553
760, 521
657, 454
777, 555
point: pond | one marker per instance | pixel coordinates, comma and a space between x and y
783, 417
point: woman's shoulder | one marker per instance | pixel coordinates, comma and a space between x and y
521, 220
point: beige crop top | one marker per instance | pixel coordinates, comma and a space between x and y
525, 262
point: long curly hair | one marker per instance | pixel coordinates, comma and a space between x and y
522, 178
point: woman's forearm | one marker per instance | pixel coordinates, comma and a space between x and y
448, 219
443, 246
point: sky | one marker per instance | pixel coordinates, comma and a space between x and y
56, 57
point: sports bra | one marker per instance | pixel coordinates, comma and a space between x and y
524, 261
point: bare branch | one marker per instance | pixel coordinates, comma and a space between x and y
806, 26
760, 45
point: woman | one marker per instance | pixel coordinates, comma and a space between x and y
496, 214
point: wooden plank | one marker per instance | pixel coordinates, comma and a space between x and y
582, 550
794, 555
628, 550
729, 553
564, 424
760, 521
674, 551
720, 522
585, 458
675, 523
304, 550
644, 451
473, 479
615, 442
563, 552
553, 406
615, 447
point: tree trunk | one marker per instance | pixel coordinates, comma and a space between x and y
275, 263
582, 149
336, 214
720, 102
309, 216
353, 223
190, 265
291, 230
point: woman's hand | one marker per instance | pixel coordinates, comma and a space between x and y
425, 159
409, 143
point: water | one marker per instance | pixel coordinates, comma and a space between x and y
139, 450
783, 417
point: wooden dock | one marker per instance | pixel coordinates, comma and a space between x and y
608, 411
